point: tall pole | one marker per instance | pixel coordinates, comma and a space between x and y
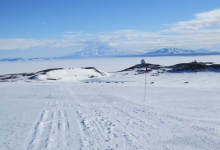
145, 86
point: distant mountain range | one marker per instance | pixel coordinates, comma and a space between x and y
180, 52
102, 50
108, 51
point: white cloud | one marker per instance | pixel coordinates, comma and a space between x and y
73, 35
24, 44
201, 32
202, 20
11, 44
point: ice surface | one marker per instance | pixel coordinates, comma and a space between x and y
106, 64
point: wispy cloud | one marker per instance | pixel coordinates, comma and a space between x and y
73, 35
202, 20
203, 31
11, 44
23, 44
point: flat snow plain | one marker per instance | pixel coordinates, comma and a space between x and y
59, 115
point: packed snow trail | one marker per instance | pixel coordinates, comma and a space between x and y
48, 116
113, 122
52, 129
98, 120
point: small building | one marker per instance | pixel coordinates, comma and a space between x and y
143, 61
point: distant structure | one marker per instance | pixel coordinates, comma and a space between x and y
143, 61
194, 62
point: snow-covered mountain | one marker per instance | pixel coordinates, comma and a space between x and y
178, 51
108, 51
102, 50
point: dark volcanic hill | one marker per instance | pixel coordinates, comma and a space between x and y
182, 67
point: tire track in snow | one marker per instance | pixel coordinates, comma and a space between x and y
105, 124
52, 129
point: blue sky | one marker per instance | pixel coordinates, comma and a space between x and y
33, 28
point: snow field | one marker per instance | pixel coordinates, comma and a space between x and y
109, 116
109, 112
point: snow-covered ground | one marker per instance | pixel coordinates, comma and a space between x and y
109, 112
